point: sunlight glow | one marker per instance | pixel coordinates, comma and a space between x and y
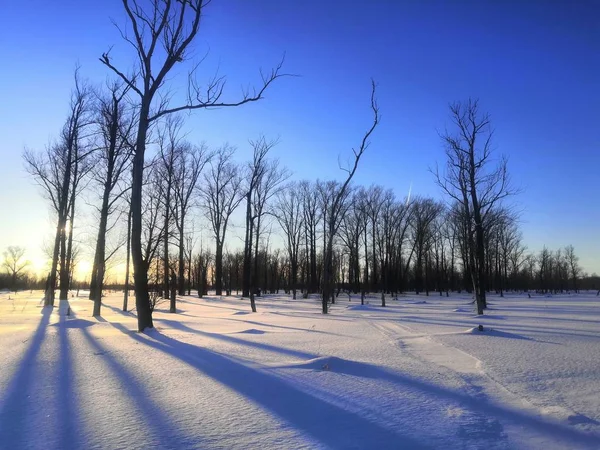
84, 269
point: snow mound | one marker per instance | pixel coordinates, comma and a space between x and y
497, 333
240, 313
420, 302
476, 330
460, 310
252, 331
331, 363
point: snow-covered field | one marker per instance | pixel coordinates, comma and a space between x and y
416, 374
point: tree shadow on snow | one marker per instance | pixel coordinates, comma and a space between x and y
17, 403
325, 422
262, 324
235, 340
119, 310
506, 325
71, 429
159, 428
477, 403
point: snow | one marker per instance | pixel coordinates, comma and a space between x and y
416, 374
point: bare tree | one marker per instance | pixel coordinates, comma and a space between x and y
14, 263
161, 33
470, 180
337, 203
573, 264
288, 212
59, 172
220, 195
169, 145
202, 262
255, 170
187, 173
350, 233
311, 219
152, 226
269, 184
373, 205
425, 212
113, 161
127, 259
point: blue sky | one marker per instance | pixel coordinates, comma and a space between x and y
534, 65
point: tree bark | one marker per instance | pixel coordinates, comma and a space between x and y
126, 294
140, 269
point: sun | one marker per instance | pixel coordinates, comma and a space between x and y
84, 267
39, 264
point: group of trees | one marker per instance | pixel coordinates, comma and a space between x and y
15, 266
388, 245
60, 171
125, 142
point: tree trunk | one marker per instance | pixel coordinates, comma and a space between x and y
313, 261
64, 270
190, 272
181, 265
126, 294
247, 248
219, 269
294, 276
327, 269
256, 232
166, 241
140, 269
99, 259
173, 294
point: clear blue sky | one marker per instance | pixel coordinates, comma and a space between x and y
534, 65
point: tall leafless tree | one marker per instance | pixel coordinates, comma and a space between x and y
255, 171
169, 154
14, 263
474, 182
190, 165
288, 212
269, 184
59, 172
221, 194
425, 212
112, 163
374, 202
161, 33
573, 264
337, 203
311, 219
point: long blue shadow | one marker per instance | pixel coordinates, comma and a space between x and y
68, 412
555, 430
329, 424
16, 407
262, 324
162, 431
119, 310
72, 430
509, 326
234, 340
